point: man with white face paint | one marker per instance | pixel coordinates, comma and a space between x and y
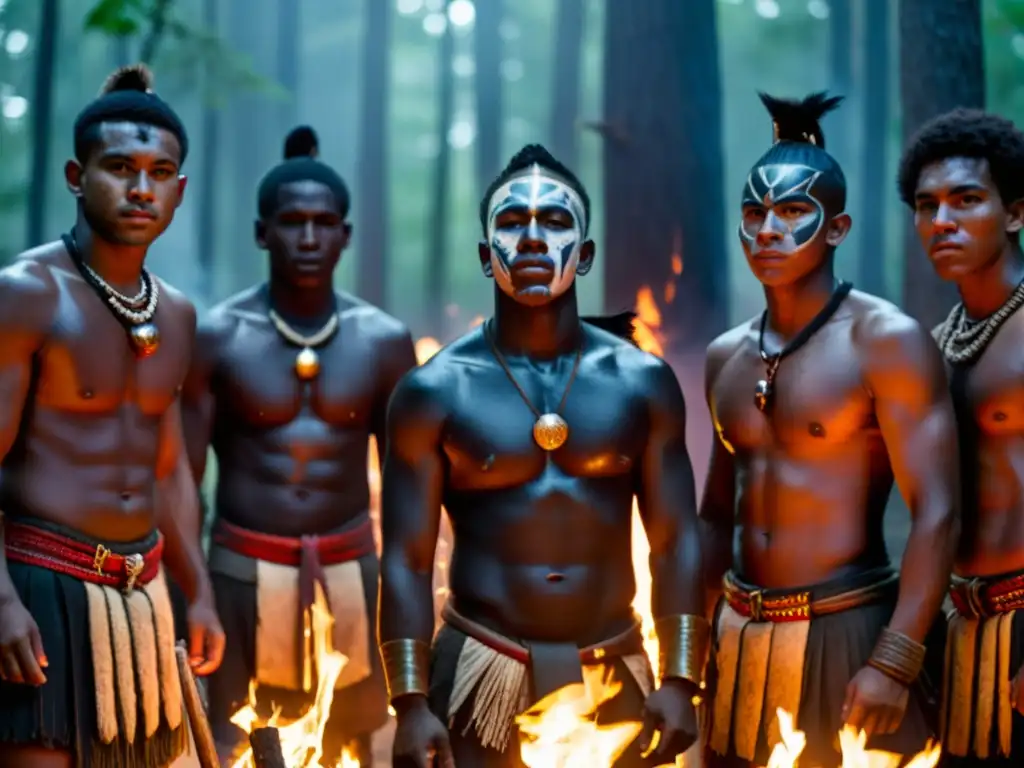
536, 431
818, 402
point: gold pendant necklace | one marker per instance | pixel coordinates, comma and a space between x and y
307, 362
550, 431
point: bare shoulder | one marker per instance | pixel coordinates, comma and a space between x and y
29, 290
220, 321
891, 344
175, 303
644, 373
723, 347
371, 322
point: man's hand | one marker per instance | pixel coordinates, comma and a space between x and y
22, 658
875, 703
669, 712
206, 637
1018, 691
421, 740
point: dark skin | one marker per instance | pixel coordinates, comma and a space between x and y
541, 540
797, 496
965, 226
107, 424
292, 455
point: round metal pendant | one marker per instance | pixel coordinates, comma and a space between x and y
145, 339
550, 431
762, 395
307, 364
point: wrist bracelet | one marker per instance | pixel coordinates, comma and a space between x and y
683, 642
898, 657
406, 667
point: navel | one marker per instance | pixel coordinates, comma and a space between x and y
999, 416
85, 393
815, 429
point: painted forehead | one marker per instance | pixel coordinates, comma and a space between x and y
771, 184
536, 188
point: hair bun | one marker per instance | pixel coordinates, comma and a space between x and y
136, 77
301, 142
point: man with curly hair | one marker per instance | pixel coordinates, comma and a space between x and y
963, 175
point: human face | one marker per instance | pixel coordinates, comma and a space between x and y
786, 230
305, 236
129, 187
536, 230
962, 221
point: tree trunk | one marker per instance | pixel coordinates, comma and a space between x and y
288, 61
488, 49
157, 27
210, 137
874, 93
372, 162
840, 64
437, 274
663, 166
42, 116
941, 68
565, 95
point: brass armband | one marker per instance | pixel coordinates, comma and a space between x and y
897, 656
406, 667
683, 643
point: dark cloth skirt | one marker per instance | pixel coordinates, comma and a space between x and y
61, 714
626, 706
838, 646
356, 711
1016, 757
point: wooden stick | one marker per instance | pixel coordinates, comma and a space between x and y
201, 733
266, 748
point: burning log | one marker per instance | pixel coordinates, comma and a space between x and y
266, 748
201, 733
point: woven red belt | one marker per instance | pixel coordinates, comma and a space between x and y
983, 597
29, 545
330, 549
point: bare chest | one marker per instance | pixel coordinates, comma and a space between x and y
88, 365
258, 381
489, 436
818, 399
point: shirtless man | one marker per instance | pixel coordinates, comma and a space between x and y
963, 175
818, 403
290, 380
93, 463
535, 431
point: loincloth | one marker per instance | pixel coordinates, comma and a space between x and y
983, 650
284, 571
113, 696
797, 650
502, 677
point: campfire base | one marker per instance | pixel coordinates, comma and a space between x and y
266, 748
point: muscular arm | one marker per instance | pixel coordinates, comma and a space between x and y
398, 358
665, 497
26, 304
717, 506
905, 374
197, 400
412, 487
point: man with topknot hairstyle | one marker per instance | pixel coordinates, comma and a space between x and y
962, 175
535, 431
818, 403
96, 491
291, 378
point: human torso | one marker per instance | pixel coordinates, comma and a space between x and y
812, 475
87, 451
291, 454
541, 545
992, 455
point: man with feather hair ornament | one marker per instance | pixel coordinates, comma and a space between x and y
818, 403
291, 378
96, 493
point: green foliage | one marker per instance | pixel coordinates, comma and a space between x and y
118, 18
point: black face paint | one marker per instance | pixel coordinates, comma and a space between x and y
770, 189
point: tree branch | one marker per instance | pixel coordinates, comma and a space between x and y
158, 24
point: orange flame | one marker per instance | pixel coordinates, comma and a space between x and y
851, 744
302, 739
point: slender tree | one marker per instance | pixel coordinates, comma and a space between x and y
42, 116
210, 137
941, 68
487, 53
565, 95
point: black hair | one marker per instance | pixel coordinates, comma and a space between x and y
126, 96
527, 157
300, 147
798, 139
971, 133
